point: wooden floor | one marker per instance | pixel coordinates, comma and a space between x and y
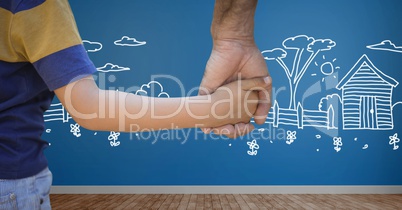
236, 201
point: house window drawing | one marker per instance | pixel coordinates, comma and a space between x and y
367, 97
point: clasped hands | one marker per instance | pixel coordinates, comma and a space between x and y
234, 63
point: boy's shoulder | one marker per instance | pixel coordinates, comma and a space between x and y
15, 6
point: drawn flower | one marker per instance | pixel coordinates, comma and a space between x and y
113, 137
337, 143
394, 140
291, 136
253, 146
75, 129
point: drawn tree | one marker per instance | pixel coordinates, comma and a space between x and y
302, 44
330, 100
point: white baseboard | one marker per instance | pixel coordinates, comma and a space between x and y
274, 189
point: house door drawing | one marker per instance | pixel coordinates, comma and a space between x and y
368, 112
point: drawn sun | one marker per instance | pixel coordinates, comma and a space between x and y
327, 67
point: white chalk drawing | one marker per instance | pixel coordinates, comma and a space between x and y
367, 97
317, 150
92, 46
355, 139
110, 67
302, 44
295, 114
56, 112
48, 130
230, 145
394, 140
301, 117
130, 42
395, 104
75, 130
328, 101
290, 136
113, 137
153, 88
95, 133
366, 92
337, 143
318, 136
365, 146
386, 45
261, 130
253, 146
327, 67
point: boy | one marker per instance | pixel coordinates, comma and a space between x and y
41, 54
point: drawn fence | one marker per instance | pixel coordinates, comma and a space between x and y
301, 117
56, 112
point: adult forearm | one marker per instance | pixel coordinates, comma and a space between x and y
233, 19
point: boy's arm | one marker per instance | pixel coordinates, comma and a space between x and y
97, 109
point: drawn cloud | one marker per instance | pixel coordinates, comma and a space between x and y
92, 46
127, 41
109, 67
153, 89
386, 45
274, 54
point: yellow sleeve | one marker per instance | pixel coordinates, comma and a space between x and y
44, 30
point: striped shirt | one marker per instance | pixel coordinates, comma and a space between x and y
40, 51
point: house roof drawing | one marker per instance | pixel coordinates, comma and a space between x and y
364, 61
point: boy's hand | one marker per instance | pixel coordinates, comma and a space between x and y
236, 103
232, 60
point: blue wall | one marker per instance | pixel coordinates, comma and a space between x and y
178, 43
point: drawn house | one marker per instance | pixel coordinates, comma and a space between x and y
367, 97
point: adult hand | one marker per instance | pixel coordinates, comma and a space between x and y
231, 60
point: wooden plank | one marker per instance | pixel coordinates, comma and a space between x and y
224, 202
216, 203
100, 201
118, 200
143, 201
292, 202
176, 201
208, 201
128, 201
135, 202
193, 202
249, 201
232, 202
277, 202
184, 202
262, 200
241, 202
166, 203
151, 201
259, 201
158, 203
200, 201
